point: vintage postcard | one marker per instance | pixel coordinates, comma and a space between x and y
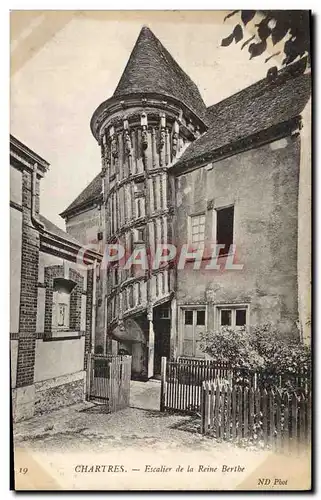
160, 212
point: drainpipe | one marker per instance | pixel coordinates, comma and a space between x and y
93, 314
34, 217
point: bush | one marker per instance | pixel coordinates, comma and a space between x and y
281, 354
233, 346
263, 349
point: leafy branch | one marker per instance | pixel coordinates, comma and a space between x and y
292, 26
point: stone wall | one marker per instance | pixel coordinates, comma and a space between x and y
84, 226
57, 392
262, 184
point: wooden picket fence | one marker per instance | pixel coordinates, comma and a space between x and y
108, 380
181, 382
278, 418
299, 381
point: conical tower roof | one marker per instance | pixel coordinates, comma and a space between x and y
151, 69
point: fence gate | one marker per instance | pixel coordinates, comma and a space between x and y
108, 380
182, 379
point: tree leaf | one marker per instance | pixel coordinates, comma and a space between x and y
247, 16
230, 14
285, 22
263, 29
279, 32
247, 41
238, 33
228, 40
256, 49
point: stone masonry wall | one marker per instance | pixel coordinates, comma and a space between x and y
56, 397
262, 184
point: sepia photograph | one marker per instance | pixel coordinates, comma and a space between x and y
160, 250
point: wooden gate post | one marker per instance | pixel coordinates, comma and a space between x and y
163, 384
88, 381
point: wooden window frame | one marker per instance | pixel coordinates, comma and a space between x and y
190, 226
233, 308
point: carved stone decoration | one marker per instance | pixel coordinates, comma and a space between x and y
128, 142
162, 138
107, 154
114, 146
162, 129
175, 140
167, 146
150, 312
102, 153
121, 324
144, 138
197, 132
153, 147
103, 182
113, 142
143, 122
210, 205
174, 145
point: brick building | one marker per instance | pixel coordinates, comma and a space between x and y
175, 171
51, 297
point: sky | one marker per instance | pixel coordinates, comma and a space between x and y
65, 63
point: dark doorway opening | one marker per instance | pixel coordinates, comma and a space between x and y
162, 326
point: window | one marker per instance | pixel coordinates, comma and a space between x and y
234, 316
163, 313
139, 235
131, 296
224, 228
194, 321
197, 228
115, 275
240, 318
200, 318
140, 206
188, 317
139, 187
226, 317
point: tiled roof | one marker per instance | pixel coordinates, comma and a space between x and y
251, 110
90, 193
52, 228
151, 68
254, 109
